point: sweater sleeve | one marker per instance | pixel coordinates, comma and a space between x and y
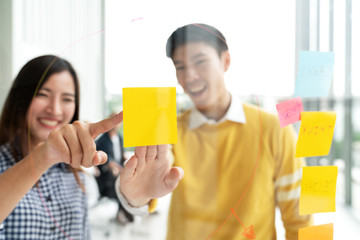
139, 211
288, 176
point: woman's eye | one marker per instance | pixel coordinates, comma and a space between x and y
40, 94
68, 100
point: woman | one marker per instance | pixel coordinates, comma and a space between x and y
43, 146
40, 195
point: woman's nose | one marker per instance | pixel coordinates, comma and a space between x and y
54, 106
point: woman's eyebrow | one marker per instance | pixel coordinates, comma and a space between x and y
45, 89
69, 94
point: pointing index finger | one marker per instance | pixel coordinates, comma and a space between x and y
105, 125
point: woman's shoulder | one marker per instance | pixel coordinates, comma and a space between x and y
5, 150
6, 157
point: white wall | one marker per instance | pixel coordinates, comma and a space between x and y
260, 34
5, 48
67, 28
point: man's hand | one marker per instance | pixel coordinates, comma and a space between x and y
148, 175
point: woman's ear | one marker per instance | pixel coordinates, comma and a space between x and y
226, 60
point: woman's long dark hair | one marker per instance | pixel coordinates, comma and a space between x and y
25, 86
30, 78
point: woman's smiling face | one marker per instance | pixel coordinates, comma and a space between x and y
52, 107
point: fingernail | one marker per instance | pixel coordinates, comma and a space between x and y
99, 158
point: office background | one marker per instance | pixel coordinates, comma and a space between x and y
115, 44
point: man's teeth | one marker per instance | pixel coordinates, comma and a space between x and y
49, 122
196, 89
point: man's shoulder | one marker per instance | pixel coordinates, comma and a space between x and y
253, 111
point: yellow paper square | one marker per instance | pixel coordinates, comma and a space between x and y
316, 133
320, 232
318, 189
149, 116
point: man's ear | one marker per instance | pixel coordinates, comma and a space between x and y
225, 56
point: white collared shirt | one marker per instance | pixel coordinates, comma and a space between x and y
235, 113
116, 148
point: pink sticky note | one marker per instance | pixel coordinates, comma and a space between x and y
289, 111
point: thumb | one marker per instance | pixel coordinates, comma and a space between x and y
99, 158
130, 167
173, 177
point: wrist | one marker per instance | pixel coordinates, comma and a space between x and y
39, 159
134, 202
139, 202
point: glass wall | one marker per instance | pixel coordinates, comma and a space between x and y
264, 55
264, 40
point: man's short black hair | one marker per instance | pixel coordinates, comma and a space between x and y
196, 32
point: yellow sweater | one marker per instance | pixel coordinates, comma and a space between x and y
219, 162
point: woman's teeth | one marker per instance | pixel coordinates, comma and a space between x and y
49, 122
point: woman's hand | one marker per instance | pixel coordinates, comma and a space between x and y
148, 175
74, 143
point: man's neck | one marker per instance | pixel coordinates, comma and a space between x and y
219, 110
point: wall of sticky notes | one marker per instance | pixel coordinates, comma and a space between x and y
318, 186
318, 183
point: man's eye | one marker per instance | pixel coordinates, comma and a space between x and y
180, 68
200, 62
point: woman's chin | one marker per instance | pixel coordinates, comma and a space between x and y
35, 140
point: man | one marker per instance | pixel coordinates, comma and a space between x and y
112, 144
226, 147
238, 163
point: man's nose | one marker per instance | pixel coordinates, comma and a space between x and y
191, 75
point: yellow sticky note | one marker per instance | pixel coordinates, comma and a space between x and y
149, 116
319, 232
316, 133
318, 189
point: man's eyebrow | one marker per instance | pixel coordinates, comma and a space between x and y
177, 62
197, 56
